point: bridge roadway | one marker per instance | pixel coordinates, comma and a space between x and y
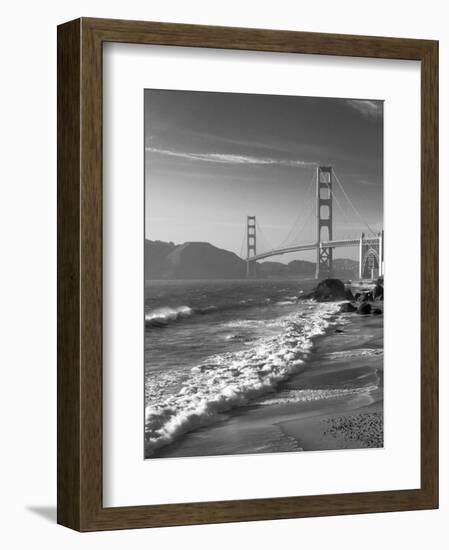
313, 246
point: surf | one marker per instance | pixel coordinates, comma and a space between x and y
226, 381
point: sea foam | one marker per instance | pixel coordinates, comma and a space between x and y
164, 315
355, 353
304, 396
229, 380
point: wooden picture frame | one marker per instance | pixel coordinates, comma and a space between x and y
80, 504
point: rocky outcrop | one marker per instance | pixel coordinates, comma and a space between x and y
364, 308
347, 307
328, 290
379, 289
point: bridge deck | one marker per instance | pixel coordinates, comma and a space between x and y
313, 246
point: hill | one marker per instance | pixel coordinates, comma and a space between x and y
191, 260
201, 260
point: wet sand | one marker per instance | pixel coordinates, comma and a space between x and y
335, 402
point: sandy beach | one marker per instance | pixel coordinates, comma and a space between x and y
334, 402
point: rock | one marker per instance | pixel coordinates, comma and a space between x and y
365, 297
347, 307
329, 290
338, 330
349, 295
378, 292
377, 311
364, 308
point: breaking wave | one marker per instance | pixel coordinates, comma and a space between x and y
162, 316
179, 403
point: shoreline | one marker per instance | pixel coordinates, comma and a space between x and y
334, 402
351, 359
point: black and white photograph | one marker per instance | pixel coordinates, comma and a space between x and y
264, 273
221, 307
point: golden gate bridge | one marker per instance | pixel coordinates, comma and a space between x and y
370, 244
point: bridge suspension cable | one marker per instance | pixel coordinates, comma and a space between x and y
243, 245
294, 230
264, 243
300, 229
365, 223
337, 202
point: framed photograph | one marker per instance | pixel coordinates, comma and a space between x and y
247, 274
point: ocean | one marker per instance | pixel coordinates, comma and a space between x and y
214, 346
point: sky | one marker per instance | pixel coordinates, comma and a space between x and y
212, 159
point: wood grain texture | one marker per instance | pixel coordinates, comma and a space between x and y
429, 271
80, 274
69, 407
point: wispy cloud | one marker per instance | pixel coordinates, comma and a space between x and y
367, 182
358, 178
367, 107
226, 158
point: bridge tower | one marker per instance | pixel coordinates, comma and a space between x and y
250, 246
324, 221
